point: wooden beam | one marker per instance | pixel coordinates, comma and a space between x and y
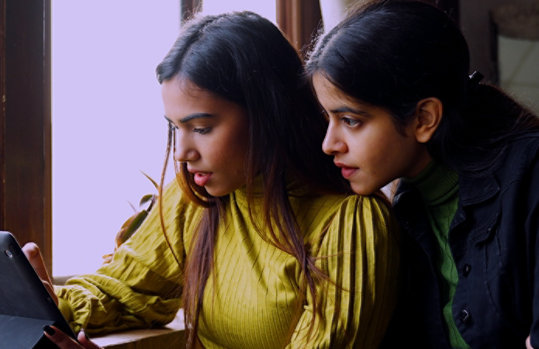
299, 20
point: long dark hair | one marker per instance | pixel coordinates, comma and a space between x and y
245, 59
392, 54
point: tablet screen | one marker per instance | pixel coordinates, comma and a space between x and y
25, 304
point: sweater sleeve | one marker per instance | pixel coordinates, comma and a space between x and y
141, 286
359, 255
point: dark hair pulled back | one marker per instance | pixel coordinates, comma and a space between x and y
392, 54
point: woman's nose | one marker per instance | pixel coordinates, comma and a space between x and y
332, 143
184, 151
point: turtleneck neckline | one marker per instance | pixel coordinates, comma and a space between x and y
436, 183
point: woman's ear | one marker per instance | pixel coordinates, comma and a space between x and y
428, 118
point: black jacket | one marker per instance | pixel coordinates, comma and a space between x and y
494, 238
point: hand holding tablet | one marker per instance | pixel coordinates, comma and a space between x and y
26, 306
33, 254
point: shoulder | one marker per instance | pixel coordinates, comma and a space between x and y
524, 148
329, 206
360, 224
347, 215
364, 217
365, 205
522, 156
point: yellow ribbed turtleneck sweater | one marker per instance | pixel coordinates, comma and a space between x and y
251, 296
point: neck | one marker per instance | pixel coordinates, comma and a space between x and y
420, 163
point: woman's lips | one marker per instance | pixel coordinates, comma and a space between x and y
201, 178
347, 172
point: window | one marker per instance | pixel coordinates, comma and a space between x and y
107, 120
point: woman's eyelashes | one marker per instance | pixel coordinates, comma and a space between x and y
202, 130
189, 125
350, 121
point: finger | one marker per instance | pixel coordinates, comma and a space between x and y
32, 252
87, 343
62, 340
528, 343
50, 289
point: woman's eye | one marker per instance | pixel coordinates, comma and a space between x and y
350, 122
202, 130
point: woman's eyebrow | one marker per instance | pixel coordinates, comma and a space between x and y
195, 116
191, 117
349, 110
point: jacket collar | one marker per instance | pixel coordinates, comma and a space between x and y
472, 190
408, 207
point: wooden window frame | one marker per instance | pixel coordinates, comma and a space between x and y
25, 122
300, 21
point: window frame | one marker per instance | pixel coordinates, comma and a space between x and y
25, 122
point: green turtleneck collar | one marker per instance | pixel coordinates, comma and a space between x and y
436, 183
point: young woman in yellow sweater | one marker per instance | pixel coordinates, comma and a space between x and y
260, 240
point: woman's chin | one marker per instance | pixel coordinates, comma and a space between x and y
361, 189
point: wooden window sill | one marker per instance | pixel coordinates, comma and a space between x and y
171, 336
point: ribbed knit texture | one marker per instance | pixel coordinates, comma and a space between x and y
439, 188
251, 297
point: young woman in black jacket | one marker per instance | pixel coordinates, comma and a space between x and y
393, 79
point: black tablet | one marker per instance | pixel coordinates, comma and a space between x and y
25, 304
